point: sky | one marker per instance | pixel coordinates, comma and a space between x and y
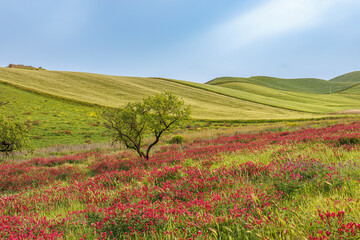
192, 40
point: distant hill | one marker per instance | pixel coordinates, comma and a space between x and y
304, 85
115, 91
352, 77
353, 90
220, 99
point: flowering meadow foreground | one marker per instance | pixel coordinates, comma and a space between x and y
303, 184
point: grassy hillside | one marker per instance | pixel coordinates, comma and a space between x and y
317, 103
354, 90
297, 94
221, 99
303, 85
62, 107
303, 102
52, 121
348, 77
208, 102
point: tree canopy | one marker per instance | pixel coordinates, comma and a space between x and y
152, 116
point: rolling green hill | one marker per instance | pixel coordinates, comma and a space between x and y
62, 107
220, 99
351, 77
303, 94
303, 85
51, 121
208, 102
355, 90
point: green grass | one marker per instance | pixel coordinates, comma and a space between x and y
221, 99
303, 85
52, 121
354, 90
55, 121
208, 102
61, 107
299, 101
348, 77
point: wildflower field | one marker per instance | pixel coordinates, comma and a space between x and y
302, 184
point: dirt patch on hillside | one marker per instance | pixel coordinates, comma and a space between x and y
350, 111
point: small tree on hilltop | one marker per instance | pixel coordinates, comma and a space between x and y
153, 116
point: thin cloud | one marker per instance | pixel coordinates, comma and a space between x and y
270, 19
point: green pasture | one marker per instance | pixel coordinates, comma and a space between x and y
354, 91
303, 85
62, 107
222, 98
348, 77
307, 102
52, 121
208, 102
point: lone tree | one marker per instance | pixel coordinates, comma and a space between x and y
153, 116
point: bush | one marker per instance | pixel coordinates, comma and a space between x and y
13, 136
176, 140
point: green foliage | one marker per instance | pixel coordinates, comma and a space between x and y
153, 116
13, 136
176, 140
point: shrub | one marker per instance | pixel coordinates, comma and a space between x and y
176, 140
13, 136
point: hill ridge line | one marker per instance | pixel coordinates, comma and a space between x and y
223, 94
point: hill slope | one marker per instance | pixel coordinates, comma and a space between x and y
304, 94
222, 98
116, 91
303, 85
351, 77
51, 121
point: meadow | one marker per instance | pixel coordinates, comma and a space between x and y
52, 121
220, 99
258, 161
116, 91
291, 182
55, 122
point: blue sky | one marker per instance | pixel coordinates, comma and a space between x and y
184, 39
